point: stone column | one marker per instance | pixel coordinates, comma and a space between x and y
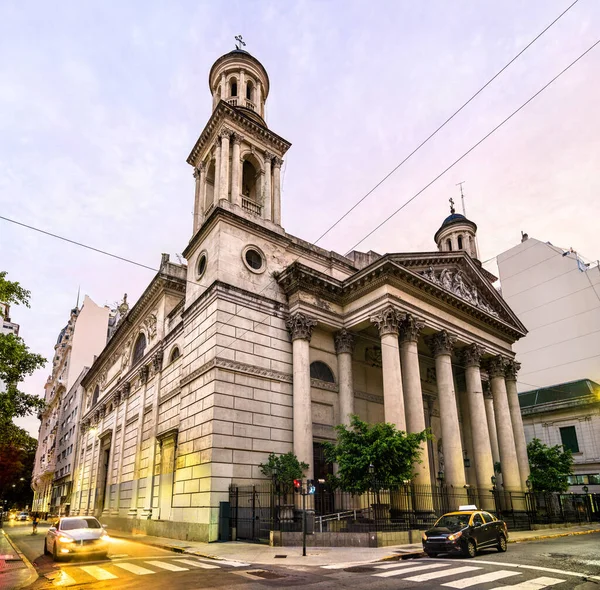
344, 347
511, 477
482, 448
388, 322
224, 176
277, 162
300, 328
242, 89
258, 97
268, 196
236, 168
200, 176
512, 368
413, 395
125, 393
442, 344
491, 420
217, 187
223, 86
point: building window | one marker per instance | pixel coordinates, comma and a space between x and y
568, 435
140, 347
254, 259
249, 90
449, 245
322, 372
201, 265
460, 243
233, 87
96, 395
175, 354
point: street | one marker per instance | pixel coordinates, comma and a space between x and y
561, 563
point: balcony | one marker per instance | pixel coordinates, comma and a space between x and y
250, 105
251, 206
232, 101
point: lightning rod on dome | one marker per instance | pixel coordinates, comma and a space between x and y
240, 42
462, 196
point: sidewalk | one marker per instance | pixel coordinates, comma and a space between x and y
15, 570
254, 553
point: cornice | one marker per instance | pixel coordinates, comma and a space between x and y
225, 111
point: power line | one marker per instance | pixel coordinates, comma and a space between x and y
445, 122
521, 354
476, 145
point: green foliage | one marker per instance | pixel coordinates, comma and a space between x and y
17, 456
16, 363
12, 293
391, 452
550, 466
283, 470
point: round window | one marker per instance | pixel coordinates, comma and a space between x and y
201, 264
254, 259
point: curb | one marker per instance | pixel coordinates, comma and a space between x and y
555, 536
33, 575
402, 556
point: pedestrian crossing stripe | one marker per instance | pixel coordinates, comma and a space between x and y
98, 572
206, 566
535, 584
406, 570
63, 580
482, 579
442, 574
134, 569
165, 565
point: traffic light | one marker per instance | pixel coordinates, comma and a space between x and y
310, 486
298, 486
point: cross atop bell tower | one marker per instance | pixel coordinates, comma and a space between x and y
238, 158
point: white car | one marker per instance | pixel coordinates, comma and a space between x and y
75, 535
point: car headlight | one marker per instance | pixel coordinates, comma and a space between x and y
65, 539
423, 536
455, 536
104, 537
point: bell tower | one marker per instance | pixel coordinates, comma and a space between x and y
237, 159
457, 233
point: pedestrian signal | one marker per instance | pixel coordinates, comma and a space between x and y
298, 486
310, 486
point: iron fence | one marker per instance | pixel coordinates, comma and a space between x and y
259, 509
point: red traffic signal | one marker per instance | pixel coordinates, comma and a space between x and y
298, 486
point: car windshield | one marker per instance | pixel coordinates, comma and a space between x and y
79, 523
453, 522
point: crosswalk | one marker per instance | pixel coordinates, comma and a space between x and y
453, 575
73, 575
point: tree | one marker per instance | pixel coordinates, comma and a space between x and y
17, 455
16, 363
391, 452
282, 470
550, 467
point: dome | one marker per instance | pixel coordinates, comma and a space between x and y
454, 219
239, 56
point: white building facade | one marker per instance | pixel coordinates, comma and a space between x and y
264, 343
78, 343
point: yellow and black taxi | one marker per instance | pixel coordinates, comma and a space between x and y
466, 531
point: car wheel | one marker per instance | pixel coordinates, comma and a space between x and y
55, 556
502, 545
470, 549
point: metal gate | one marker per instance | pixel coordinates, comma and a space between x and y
251, 512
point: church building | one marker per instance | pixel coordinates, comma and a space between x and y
264, 342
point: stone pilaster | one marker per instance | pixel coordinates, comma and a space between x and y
300, 328
236, 169
344, 347
268, 191
224, 134
277, 163
511, 370
217, 186
200, 176
388, 323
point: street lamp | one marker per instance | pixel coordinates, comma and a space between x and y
585, 489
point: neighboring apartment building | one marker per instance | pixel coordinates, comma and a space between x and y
78, 343
7, 327
557, 297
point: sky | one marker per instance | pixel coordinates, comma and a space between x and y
101, 103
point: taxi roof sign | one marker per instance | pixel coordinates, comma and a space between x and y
467, 507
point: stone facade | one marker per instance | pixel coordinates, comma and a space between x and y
263, 343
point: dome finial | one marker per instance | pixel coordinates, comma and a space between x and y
240, 42
451, 201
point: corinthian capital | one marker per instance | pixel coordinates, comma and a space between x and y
496, 366
388, 320
300, 326
410, 329
441, 343
269, 156
198, 170
225, 132
511, 370
472, 355
344, 341
277, 162
236, 138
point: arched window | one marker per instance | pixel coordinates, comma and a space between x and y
233, 87
139, 348
96, 395
249, 90
322, 372
449, 245
460, 243
175, 354
249, 176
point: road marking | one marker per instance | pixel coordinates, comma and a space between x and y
341, 566
206, 566
482, 579
389, 566
533, 567
134, 569
418, 568
589, 561
63, 579
98, 572
167, 566
535, 584
442, 574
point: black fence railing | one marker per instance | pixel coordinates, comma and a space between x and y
257, 510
